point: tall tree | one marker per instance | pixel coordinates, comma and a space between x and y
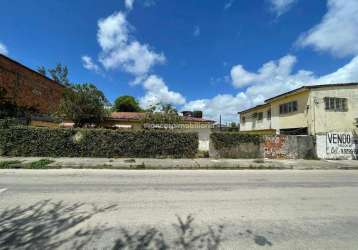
83, 104
42, 70
60, 74
126, 104
168, 109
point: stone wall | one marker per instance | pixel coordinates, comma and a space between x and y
28, 88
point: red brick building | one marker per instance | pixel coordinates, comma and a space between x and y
28, 88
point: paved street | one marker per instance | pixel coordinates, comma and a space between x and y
258, 209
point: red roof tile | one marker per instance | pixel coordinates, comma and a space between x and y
136, 116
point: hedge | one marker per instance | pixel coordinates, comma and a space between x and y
45, 142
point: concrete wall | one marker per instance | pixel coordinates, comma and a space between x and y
288, 147
271, 147
252, 123
337, 145
296, 119
29, 88
323, 121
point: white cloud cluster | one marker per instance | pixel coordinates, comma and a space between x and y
88, 63
272, 78
158, 92
129, 4
338, 31
279, 7
120, 50
3, 49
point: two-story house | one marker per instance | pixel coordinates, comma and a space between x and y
308, 110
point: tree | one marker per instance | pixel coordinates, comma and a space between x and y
126, 104
168, 109
42, 70
60, 74
83, 104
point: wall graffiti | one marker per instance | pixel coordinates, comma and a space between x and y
337, 145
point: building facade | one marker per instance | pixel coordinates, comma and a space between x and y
308, 110
28, 88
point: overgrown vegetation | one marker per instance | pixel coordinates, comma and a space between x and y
40, 164
9, 164
45, 142
126, 104
83, 104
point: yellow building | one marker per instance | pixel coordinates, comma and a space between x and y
308, 110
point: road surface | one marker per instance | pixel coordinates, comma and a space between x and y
257, 209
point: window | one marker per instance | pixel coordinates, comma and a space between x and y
260, 116
269, 114
288, 107
335, 104
243, 120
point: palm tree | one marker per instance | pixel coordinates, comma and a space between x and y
168, 109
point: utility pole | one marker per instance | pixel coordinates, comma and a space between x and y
220, 122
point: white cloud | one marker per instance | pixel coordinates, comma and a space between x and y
196, 31
129, 4
338, 30
3, 49
158, 92
228, 4
121, 50
271, 79
279, 7
88, 63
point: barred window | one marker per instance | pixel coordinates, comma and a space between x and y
288, 107
336, 104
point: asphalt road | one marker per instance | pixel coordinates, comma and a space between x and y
284, 209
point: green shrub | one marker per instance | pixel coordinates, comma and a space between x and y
40, 164
45, 142
8, 164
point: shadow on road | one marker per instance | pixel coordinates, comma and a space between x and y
39, 226
51, 225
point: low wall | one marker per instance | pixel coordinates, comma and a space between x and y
337, 145
271, 147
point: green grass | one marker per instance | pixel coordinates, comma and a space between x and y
40, 164
8, 164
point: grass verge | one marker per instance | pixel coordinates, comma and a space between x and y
40, 164
9, 164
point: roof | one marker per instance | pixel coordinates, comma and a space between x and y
128, 116
298, 90
253, 108
33, 71
308, 87
137, 116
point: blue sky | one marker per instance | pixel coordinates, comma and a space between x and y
220, 56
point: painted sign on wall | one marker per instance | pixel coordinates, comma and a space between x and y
337, 145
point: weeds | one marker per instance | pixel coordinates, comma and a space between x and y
40, 164
8, 164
